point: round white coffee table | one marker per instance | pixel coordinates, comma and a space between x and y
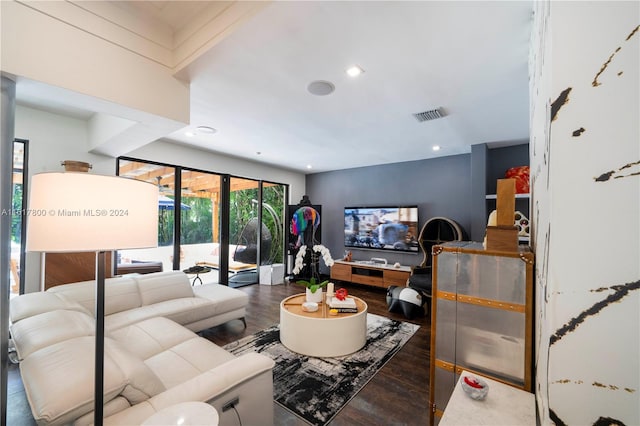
319, 334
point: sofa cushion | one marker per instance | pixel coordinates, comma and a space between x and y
150, 337
121, 294
225, 298
166, 309
28, 305
187, 360
161, 286
58, 380
142, 383
111, 408
45, 329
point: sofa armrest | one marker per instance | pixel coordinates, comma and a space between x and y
247, 377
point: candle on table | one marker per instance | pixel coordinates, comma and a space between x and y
330, 289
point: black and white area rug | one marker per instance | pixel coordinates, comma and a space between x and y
316, 389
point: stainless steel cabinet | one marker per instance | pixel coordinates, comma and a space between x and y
481, 320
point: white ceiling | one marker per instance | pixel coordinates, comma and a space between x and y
468, 58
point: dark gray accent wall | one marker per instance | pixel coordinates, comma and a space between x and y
479, 154
439, 187
502, 159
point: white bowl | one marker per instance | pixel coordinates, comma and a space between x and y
309, 306
475, 387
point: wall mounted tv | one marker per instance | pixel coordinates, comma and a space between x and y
382, 228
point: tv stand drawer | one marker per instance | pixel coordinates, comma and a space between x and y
368, 280
369, 275
396, 277
341, 272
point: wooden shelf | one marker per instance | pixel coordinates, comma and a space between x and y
518, 196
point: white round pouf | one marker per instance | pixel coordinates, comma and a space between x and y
185, 413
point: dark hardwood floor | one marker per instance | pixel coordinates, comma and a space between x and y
397, 395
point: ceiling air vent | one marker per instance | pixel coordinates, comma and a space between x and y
429, 115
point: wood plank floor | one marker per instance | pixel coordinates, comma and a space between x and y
397, 395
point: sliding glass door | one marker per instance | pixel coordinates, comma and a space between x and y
229, 226
200, 224
146, 260
18, 205
247, 237
274, 198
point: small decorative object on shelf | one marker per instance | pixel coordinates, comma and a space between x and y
521, 176
348, 256
503, 235
475, 387
522, 223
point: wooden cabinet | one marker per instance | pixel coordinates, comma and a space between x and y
341, 271
481, 319
64, 268
376, 275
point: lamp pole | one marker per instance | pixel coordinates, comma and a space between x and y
99, 361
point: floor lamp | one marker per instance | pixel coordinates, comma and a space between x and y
82, 212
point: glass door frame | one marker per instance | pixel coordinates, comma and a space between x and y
23, 208
225, 197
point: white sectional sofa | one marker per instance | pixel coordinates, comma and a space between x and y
153, 357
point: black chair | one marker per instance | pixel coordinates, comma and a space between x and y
435, 231
247, 248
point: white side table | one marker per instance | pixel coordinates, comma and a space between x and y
185, 413
504, 405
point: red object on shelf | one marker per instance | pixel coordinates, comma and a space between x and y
341, 293
521, 175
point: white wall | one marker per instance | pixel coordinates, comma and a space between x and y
585, 153
42, 41
165, 152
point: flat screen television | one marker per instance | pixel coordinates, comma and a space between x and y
392, 228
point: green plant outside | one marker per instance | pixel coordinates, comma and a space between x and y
16, 219
196, 222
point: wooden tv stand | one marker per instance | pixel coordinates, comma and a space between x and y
373, 274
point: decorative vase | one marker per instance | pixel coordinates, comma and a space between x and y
314, 297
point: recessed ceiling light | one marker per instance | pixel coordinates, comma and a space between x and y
354, 71
436, 148
309, 166
321, 88
206, 129
258, 153
190, 134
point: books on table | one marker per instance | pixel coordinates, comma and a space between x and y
348, 303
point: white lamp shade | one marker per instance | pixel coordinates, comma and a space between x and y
70, 212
